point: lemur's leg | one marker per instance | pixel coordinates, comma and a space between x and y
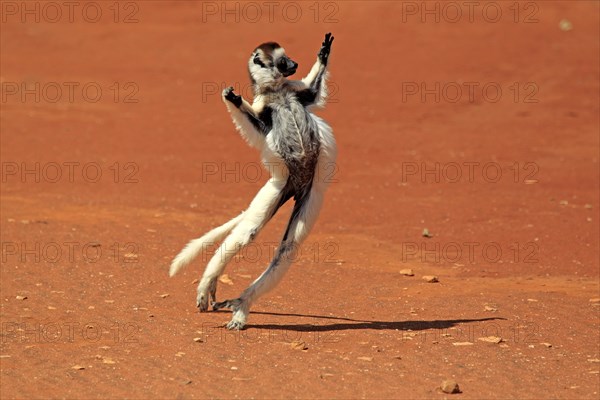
264, 205
303, 217
245, 119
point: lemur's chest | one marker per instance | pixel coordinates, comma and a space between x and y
294, 134
287, 116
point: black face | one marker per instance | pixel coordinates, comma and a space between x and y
286, 66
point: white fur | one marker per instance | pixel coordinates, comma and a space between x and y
245, 127
312, 75
195, 247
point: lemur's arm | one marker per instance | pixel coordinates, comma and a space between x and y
252, 127
313, 89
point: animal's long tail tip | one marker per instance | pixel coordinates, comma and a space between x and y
174, 268
194, 248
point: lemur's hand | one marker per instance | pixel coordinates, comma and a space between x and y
232, 97
325, 49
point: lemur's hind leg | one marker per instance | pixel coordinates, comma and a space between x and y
304, 215
264, 205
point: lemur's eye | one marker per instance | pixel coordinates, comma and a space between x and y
282, 62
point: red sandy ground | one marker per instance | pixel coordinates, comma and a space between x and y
369, 331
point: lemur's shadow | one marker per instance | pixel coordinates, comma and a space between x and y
352, 324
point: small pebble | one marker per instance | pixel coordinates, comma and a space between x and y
565, 25
407, 272
426, 233
21, 297
198, 340
450, 386
299, 345
430, 278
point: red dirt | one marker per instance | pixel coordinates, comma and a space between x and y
369, 331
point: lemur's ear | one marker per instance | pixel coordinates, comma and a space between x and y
258, 61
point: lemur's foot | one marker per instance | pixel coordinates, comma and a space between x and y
202, 302
206, 289
234, 325
233, 98
240, 312
325, 49
227, 304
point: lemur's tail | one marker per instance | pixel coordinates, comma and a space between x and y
195, 247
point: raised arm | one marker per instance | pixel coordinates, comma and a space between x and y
313, 89
252, 127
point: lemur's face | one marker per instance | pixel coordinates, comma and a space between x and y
269, 62
286, 65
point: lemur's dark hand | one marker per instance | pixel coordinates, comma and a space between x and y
325, 49
232, 97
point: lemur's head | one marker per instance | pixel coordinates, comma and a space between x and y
268, 65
